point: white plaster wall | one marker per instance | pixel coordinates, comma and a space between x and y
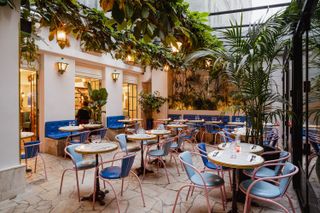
114, 89
9, 87
160, 83
57, 89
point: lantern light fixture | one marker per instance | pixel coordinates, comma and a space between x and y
62, 66
166, 68
176, 48
115, 75
61, 36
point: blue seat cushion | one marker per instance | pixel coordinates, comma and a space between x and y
214, 167
174, 146
156, 152
58, 135
209, 178
263, 172
116, 126
112, 172
261, 189
86, 164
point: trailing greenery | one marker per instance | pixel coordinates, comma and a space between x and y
151, 102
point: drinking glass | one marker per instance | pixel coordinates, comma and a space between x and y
141, 131
96, 138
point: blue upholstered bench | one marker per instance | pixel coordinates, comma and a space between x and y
113, 123
238, 118
189, 117
52, 129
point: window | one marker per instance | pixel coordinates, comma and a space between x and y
129, 100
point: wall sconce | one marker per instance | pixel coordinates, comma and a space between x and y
62, 66
129, 59
115, 76
176, 48
61, 36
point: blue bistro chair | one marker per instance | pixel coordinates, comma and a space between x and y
212, 128
314, 140
202, 148
269, 189
224, 137
203, 180
160, 154
102, 132
271, 139
271, 171
32, 151
117, 173
81, 138
123, 143
79, 164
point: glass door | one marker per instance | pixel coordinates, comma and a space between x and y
129, 100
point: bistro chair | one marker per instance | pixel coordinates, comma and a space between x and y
270, 171
101, 132
190, 136
314, 140
123, 144
117, 173
82, 137
79, 164
224, 137
202, 148
32, 151
269, 189
212, 128
160, 154
203, 180
272, 138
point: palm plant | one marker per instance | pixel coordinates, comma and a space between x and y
248, 64
97, 99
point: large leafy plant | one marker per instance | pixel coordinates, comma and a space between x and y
151, 102
97, 99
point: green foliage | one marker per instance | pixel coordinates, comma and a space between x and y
151, 102
97, 99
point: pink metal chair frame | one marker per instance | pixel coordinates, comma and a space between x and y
206, 188
122, 182
250, 197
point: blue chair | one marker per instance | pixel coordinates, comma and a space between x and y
32, 150
202, 148
102, 132
224, 137
314, 140
160, 154
79, 164
269, 171
212, 128
203, 180
123, 144
269, 189
113, 122
81, 138
116, 173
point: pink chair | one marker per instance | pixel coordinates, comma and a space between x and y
203, 180
269, 189
115, 173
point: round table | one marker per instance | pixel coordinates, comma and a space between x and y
158, 133
235, 160
141, 138
71, 129
196, 121
96, 149
92, 126
244, 147
177, 126
214, 122
181, 120
25, 135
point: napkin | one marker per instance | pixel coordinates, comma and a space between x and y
253, 147
216, 153
225, 145
251, 158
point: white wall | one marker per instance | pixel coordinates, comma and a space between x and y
160, 83
114, 89
9, 87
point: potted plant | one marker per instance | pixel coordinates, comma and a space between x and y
97, 99
151, 102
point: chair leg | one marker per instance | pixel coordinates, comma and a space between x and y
122, 181
35, 164
62, 177
222, 198
78, 188
134, 174
115, 194
165, 169
84, 173
94, 192
192, 190
44, 167
230, 179
178, 193
207, 199
290, 202
188, 192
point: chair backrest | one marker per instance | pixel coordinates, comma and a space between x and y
180, 140
315, 143
71, 152
122, 139
290, 170
186, 158
84, 136
103, 132
126, 164
283, 154
166, 146
203, 151
31, 149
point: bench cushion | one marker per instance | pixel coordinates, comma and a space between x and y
52, 129
113, 123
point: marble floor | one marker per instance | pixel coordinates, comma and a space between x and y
43, 195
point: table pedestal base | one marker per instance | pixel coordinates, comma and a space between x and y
140, 171
99, 197
156, 161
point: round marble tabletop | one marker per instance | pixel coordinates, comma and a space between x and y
159, 132
181, 120
141, 137
137, 119
92, 126
244, 147
236, 160
164, 119
96, 148
196, 121
312, 126
70, 128
237, 123
24, 135
126, 121
177, 125
213, 122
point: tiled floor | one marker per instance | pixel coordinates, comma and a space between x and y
43, 196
